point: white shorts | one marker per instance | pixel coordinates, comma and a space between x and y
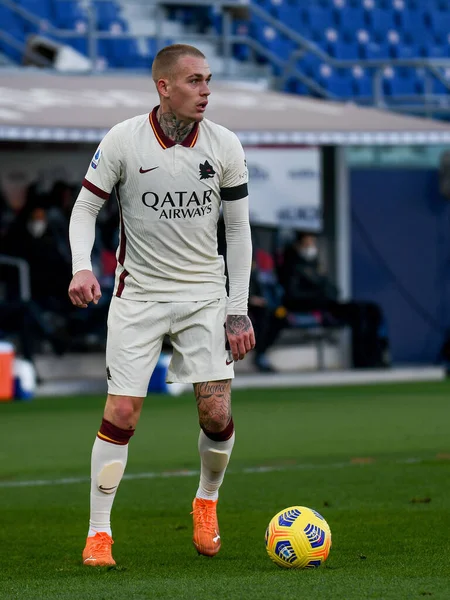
136, 332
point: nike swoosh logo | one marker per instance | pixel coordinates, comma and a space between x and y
100, 487
228, 362
141, 170
90, 558
217, 538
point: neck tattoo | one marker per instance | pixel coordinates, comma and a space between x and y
175, 129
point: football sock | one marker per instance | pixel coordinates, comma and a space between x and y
108, 461
215, 451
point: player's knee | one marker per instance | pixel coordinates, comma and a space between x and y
123, 413
214, 423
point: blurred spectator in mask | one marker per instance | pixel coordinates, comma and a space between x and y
32, 238
307, 288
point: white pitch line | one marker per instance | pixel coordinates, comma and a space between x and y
196, 473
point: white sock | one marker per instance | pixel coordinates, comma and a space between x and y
214, 457
104, 455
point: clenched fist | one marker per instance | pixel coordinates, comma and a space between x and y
84, 288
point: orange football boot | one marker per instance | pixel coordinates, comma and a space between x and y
206, 536
97, 552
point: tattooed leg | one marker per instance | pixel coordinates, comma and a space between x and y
216, 436
213, 404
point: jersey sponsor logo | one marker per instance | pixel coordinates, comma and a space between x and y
206, 170
179, 205
141, 170
96, 158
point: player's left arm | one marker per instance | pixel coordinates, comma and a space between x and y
234, 194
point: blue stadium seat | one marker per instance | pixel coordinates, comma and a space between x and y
106, 12
67, 13
375, 51
362, 84
406, 51
345, 50
39, 8
381, 21
351, 17
434, 51
440, 22
309, 65
294, 86
123, 53
14, 26
317, 19
439, 88
291, 15
335, 82
241, 51
413, 21
399, 83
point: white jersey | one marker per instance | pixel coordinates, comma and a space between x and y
169, 201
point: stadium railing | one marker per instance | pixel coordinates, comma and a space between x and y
285, 69
23, 274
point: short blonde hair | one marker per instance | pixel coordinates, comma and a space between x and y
167, 58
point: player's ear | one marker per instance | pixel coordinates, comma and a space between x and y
162, 85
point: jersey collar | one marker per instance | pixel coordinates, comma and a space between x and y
164, 141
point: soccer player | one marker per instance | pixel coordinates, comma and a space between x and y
171, 170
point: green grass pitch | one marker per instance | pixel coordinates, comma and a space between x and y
373, 460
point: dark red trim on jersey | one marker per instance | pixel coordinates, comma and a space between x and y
95, 190
234, 193
121, 285
221, 436
123, 237
164, 141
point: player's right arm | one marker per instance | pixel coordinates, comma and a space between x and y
103, 173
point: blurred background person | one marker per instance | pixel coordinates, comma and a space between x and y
307, 288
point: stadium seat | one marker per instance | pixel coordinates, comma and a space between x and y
401, 83
290, 15
434, 51
350, 17
381, 21
413, 21
39, 8
335, 82
440, 22
362, 84
241, 51
106, 12
309, 64
67, 13
344, 51
405, 51
15, 27
375, 51
317, 19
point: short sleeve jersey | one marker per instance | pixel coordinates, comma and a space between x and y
169, 199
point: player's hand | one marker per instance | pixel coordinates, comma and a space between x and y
84, 288
240, 335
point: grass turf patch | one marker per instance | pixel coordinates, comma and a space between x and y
345, 452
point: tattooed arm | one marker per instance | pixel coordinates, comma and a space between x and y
238, 326
240, 335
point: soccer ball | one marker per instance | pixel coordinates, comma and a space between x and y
298, 538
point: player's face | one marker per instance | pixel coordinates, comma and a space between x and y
188, 89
